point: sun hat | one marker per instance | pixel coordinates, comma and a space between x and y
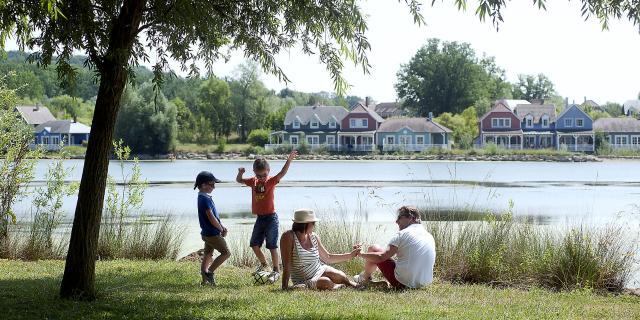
204, 177
304, 216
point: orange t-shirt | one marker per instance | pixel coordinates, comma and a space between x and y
262, 194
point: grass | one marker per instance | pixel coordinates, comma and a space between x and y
168, 290
211, 148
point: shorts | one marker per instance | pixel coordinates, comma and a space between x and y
265, 228
215, 242
311, 283
388, 269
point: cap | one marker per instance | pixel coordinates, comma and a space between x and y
203, 177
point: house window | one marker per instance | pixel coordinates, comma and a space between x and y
313, 140
293, 140
314, 124
332, 124
296, 124
352, 123
494, 122
579, 122
405, 140
529, 121
365, 123
45, 140
568, 122
621, 140
391, 140
420, 140
635, 140
359, 123
501, 122
331, 140
55, 140
545, 121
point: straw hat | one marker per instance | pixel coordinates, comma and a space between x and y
304, 216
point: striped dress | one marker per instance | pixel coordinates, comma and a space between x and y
305, 264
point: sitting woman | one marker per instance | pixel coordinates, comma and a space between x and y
303, 255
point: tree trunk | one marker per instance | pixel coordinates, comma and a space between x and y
78, 279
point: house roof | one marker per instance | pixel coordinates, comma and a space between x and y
590, 103
414, 124
360, 108
35, 115
617, 125
63, 126
536, 110
386, 109
511, 103
499, 107
324, 114
631, 104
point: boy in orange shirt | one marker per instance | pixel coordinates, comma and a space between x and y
262, 204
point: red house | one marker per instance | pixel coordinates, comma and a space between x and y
358, 129
500, 126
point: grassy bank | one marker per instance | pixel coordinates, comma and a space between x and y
142, 289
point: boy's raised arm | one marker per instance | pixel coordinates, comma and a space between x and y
285, 168
239, 176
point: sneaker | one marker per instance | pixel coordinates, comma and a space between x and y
208, 278
260, 268
360, 279
274, 276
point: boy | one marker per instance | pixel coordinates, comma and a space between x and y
262, 205
213, 232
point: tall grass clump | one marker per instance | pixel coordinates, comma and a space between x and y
242, 255
47, 214
505, 252
122, 235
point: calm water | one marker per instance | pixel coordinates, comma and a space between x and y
558, 192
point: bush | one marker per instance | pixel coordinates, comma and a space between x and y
258, 137
222, 145
253, 150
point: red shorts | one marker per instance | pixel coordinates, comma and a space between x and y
388, 268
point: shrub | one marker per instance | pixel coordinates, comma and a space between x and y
221, 146
258, 137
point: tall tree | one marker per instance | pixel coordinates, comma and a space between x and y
447, 77
248, 98
115, 34
530, 87
214, 103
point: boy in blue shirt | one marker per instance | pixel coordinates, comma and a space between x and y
213, 232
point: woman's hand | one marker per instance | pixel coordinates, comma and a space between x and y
356, 250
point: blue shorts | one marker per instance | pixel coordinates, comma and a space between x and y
265, 228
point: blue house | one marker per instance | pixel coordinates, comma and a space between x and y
317, 125
538, 125
49, 135
574, 130
412, 134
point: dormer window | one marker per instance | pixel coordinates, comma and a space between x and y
296, 124
314, 124
545, 121
579, 122
332, 124
528, 121
500, 122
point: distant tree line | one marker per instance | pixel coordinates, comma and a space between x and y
200, 110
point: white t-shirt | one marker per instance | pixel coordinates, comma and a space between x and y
416, 256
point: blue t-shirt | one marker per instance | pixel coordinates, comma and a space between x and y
205, 202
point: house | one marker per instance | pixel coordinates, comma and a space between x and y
621, 133
389, 109
592, 105
317, 125
50, 134
574, 130
412, 134
631, 107
358, 129
538, 125
35, 115
500, 126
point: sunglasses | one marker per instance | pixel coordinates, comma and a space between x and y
261, 175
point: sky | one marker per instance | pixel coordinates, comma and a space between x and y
579, 58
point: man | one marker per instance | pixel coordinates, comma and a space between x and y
415, 253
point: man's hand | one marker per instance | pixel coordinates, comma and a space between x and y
224, 232
356, 250
241, 170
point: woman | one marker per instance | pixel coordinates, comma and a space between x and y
303, 255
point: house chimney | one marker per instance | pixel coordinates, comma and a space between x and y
75, 119
37, 107
585, 99
430, 117
566, 102
366, 102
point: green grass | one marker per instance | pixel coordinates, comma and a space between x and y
211, 148
152, 290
